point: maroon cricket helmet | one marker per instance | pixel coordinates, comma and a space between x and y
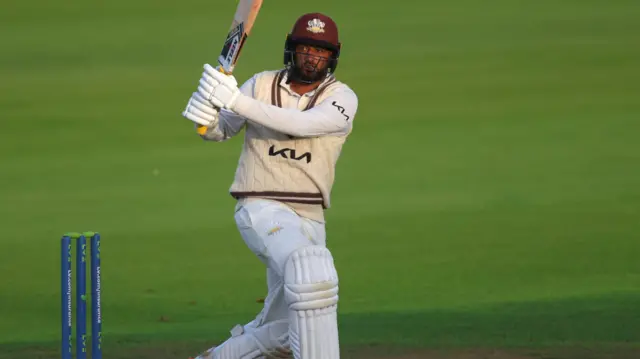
313, 29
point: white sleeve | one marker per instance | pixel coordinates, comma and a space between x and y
230, 123
333, 115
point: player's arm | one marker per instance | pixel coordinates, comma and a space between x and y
229, 125
332, 116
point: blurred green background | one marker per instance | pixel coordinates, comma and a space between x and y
489, 195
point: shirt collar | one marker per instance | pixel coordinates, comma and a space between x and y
283, 83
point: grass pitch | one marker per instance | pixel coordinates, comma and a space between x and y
486, 204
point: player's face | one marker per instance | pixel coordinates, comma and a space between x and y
312, 60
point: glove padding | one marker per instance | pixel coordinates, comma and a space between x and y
201, 111
220, 89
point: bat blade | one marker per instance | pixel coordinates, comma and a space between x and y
243, 21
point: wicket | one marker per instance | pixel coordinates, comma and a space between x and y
81, 295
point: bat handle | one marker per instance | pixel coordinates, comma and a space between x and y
202, 130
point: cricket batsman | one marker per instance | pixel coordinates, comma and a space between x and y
296, 121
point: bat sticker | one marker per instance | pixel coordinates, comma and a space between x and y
233, 41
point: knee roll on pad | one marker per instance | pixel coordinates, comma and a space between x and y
310, 279
311, 292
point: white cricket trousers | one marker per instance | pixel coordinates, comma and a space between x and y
273, 231
299, 316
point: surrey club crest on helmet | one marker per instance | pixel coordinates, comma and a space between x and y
316, 26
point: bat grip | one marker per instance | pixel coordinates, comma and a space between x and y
221, 70
202, 130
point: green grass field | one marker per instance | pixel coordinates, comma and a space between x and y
487, 204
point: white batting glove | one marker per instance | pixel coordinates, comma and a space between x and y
222, 90
201, 111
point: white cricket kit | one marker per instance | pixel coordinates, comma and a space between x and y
292, 142
283, 184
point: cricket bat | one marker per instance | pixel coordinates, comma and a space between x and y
243, 21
